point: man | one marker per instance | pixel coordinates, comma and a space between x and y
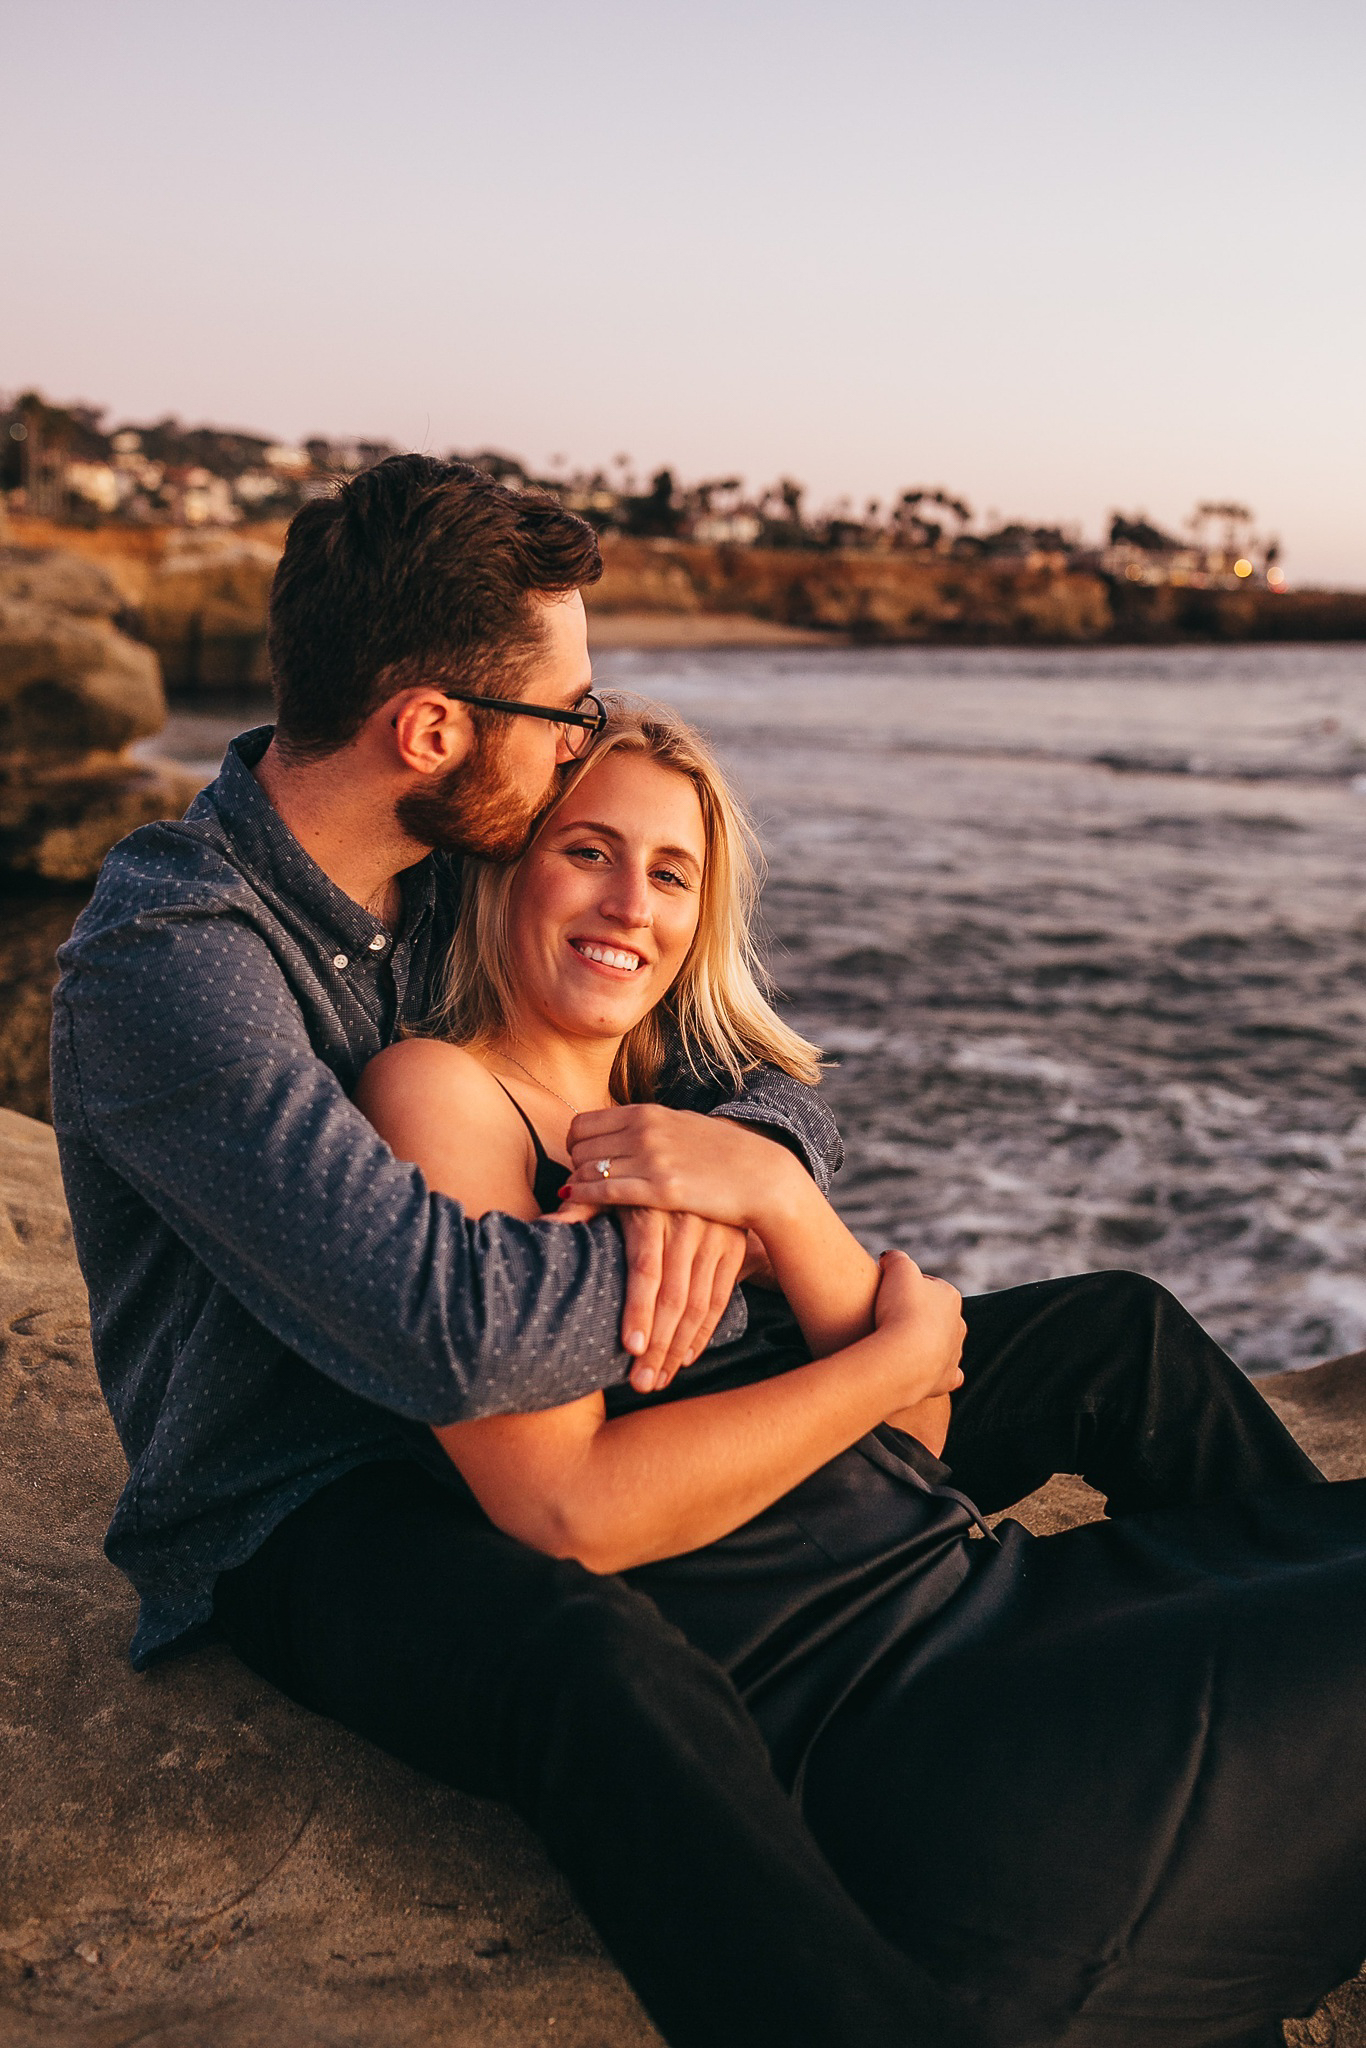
281, 1310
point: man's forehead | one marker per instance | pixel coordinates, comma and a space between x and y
562, 663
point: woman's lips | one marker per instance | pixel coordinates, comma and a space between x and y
617, 959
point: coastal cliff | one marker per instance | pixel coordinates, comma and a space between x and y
855, 594
198, 598
189, 1856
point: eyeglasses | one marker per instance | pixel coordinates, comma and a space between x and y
578, 726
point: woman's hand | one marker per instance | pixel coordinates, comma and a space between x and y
928, 1422
672, 1159
928, 1314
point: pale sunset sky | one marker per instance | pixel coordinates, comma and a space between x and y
1061, 257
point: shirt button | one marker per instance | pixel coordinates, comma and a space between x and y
377, 943
340, 960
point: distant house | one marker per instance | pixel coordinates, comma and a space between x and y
727, 529
1141, 552
196, 497
288, 460
255, 488
95, 483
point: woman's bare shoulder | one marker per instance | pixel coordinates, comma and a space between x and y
438, 1106
430, 1070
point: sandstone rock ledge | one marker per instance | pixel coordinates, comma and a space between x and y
187, 1860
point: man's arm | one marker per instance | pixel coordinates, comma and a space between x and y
213, 1106
777, 1106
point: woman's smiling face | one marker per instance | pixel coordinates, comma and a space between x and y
605, 904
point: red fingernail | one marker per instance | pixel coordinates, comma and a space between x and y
564, 1190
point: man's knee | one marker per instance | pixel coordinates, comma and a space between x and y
1151, 1349
1136, 1303
1090, 1332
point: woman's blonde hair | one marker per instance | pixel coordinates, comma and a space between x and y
717, 1012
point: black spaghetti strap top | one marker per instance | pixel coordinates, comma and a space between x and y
551, 1174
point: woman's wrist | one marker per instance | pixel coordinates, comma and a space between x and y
879, 1361
782, 1190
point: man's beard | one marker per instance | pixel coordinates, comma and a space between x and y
474, 808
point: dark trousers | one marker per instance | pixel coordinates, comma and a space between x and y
389, 1604
1108, 1376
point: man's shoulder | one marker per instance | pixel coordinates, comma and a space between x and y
172, 960
176, 871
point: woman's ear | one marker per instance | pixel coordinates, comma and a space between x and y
431, 733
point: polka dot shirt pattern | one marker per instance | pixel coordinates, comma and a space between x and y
274, 1297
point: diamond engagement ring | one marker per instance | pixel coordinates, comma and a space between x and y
604, 1167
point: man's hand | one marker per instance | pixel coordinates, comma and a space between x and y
681, 1272
758, 1266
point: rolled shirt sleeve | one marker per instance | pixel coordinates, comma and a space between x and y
786, 1109
793, 1114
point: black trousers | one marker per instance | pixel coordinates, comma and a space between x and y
1108, 1376
389, 1604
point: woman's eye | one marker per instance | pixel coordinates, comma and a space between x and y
589, 853
671, 878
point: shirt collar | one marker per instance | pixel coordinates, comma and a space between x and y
273, 857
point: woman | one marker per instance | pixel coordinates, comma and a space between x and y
1109, 1785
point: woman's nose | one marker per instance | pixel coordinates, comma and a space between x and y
627, 899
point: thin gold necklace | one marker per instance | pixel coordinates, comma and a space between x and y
573, 1111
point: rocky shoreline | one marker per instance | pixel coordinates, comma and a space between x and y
190, 1857
78, 695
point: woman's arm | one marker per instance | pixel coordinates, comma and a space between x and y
658, 1481
667, 1158
619, 1493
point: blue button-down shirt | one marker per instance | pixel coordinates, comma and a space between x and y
274, 1297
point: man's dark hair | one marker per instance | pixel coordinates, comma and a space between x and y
414, 571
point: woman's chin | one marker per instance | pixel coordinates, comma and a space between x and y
597, 1018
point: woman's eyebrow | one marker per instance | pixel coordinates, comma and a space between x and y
593, 825
611, 832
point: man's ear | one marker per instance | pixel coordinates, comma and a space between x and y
429, 732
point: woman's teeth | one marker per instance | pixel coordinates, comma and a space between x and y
607, 956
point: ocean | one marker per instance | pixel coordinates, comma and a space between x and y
1083, 935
